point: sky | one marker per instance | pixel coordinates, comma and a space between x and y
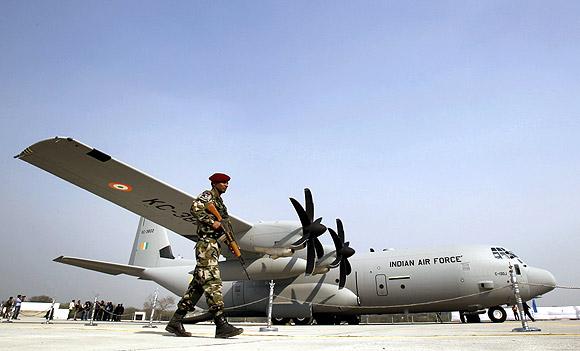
418, 123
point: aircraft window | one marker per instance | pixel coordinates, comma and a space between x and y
517, 267
402, 286
500, 253
511, 254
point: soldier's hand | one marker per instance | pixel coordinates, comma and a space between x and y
215, 225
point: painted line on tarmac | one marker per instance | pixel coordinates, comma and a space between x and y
413, 336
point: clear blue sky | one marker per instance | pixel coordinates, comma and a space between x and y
419, 123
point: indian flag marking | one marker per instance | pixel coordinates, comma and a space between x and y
144, 245
120, 186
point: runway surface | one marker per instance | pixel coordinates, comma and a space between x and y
31, 334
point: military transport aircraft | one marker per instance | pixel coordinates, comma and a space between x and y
329, 284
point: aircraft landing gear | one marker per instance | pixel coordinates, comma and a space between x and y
497, 314
325, 319
467, 317
280, 321
302, 320
472, 318
353, 320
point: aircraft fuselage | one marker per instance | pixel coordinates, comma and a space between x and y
458, 278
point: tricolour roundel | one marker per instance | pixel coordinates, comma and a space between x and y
120, 186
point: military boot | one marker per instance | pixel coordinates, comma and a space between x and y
223, 329
175, 326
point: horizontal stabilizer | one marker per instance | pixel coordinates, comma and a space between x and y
101, 266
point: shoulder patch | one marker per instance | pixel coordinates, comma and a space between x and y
205, 196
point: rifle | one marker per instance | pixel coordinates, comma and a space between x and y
228, 236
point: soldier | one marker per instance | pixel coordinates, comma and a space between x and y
206, 276
7, 308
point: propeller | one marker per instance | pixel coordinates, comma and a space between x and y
311, 230
343, 252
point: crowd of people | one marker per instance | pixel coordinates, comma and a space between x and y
102, 311
11, 307
10, 310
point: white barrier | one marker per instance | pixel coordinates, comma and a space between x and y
39, 309
543, 313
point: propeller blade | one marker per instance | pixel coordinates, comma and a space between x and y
309, 203
337, 247
309, 259
347, 267
340, 230
318, 247
342, 278
304, 219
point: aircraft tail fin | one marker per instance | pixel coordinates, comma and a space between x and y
151, 247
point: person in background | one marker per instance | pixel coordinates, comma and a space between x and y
527, 311
87, 310
17, 304
7, 307
515, 311
71, 310
78, 309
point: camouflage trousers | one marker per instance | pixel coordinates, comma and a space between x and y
206, 279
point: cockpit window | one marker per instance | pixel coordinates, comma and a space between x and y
501, 253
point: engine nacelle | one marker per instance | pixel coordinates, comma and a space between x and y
275, 252
264, 268
278, 235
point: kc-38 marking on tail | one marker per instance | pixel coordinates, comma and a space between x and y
329, 284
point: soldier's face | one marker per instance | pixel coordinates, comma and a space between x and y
221, 187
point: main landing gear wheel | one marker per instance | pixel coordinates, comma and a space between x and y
302, 320
280, 321
472, 318
497, 314
353, 320
325, 319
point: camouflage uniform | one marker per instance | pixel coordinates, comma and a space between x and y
206, 276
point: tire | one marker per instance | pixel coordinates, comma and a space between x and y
280, 321
302, 320
497, 314
472, 318
353, 320
325, 319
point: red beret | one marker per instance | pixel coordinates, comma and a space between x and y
219, 178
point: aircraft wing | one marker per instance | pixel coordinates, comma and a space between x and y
119, 183
101, 266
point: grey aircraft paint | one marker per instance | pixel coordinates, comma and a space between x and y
462, 278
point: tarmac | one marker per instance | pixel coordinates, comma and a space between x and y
32, 334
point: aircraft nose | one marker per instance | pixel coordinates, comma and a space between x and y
541, 281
